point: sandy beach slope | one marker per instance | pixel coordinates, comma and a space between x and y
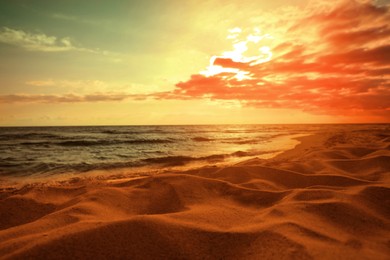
329, 198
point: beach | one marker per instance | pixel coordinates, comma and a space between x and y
327, 198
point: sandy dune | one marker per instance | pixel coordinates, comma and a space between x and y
329, 198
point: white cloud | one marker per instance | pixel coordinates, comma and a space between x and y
44, 43
39, 41
35, 42
88, 86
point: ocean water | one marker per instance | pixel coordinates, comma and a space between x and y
48, 151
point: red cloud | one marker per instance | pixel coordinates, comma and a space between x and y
342, 68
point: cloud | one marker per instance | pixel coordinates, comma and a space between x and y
82, 20
41, 83
88, 86
35, 42
329, 59
69, 98
42, 42
76, 85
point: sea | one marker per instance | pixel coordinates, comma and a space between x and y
37, 152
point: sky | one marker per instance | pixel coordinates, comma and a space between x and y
148, 62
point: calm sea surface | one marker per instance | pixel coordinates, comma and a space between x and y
45, 151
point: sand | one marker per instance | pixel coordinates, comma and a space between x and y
329, 198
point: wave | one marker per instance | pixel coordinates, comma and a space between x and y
247, 141
169, 160
202, 139
244, 154
149, 141
117, 132
182, 160
26, 136
80, 143
5, 164
37, 143
229, 140
50, 168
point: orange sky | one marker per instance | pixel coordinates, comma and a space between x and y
317, 62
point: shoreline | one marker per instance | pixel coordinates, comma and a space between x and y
325, 198
179, 164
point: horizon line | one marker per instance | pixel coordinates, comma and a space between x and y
368, 123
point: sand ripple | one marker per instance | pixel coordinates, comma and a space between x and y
328, 198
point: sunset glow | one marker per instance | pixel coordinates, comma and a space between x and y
238, 55
281, 62
194, 129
